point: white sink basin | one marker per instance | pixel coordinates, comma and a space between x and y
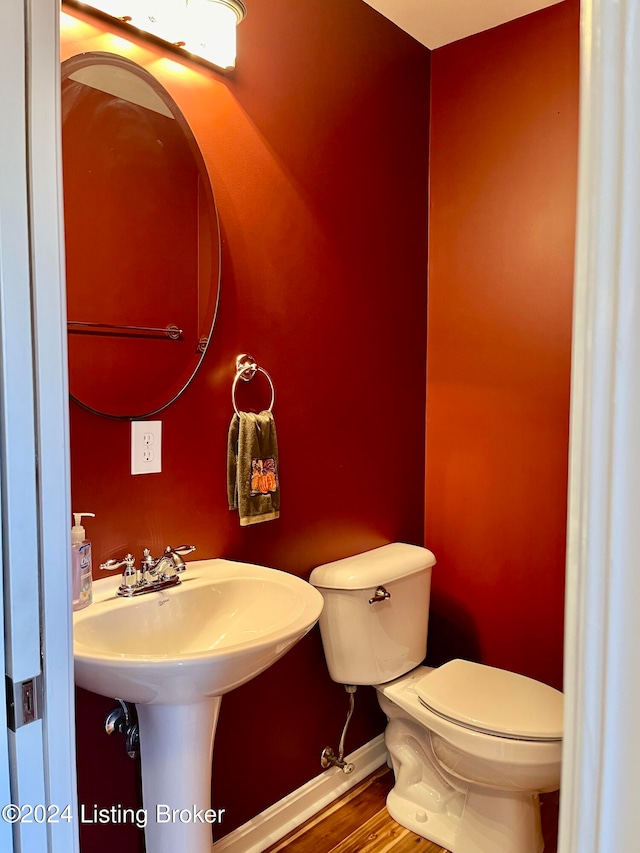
175, 654
223, 625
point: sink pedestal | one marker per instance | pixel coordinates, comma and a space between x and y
176, 749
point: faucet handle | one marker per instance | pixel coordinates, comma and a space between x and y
173, 554
109, 566
181, 549
129, 574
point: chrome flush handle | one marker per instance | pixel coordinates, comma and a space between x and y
380, 594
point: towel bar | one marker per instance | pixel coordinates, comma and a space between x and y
246, 369
172, 332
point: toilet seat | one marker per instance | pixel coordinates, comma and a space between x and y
493, 701
507, 761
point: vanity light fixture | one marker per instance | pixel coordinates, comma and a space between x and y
202, 29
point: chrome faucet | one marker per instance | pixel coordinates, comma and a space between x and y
155, 573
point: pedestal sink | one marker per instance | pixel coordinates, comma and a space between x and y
175, 654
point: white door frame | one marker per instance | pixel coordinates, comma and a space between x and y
601, 759
34, 434
52, 412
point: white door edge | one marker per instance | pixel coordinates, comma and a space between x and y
601, 758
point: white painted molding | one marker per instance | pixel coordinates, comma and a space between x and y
34, 442
601, 759
52, 413
292, 811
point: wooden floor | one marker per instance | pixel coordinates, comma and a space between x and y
359, 823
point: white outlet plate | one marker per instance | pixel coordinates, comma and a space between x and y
146, 447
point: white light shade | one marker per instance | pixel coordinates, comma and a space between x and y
212, 33
204, 28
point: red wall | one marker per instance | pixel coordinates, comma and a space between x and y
503, 155
317, 149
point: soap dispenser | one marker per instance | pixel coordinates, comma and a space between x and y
81, 574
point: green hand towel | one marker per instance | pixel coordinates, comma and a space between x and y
253, 481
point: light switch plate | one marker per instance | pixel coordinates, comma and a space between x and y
146, 447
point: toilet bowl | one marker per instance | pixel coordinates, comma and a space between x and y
469, 790
471, 746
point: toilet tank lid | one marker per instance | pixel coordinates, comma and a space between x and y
493, 700
373, 568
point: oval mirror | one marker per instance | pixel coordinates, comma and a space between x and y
142, 239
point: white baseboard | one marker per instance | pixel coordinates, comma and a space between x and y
275, 822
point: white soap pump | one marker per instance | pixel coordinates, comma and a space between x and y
81, 574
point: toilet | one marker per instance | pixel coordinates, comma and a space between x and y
471, 746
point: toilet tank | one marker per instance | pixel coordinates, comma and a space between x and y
372, 643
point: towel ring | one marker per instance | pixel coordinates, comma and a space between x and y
246, 369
